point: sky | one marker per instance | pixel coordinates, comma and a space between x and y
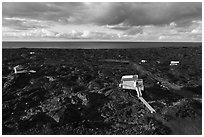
131, 21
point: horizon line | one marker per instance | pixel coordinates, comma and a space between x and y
93, 41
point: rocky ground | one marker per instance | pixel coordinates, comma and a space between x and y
75, 92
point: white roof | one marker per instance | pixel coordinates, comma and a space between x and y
129, 77
174, 61
143, 60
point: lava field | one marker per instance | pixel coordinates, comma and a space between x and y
76, 92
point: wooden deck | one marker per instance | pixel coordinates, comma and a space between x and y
147, 105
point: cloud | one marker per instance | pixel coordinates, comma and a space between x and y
134, 31
31, 34
106, 13
127, 20
135, 14
157, 13
196, 27
87, 35
23, 23
120, 26
170, 32
39, 10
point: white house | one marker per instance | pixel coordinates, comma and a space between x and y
132, 82
174, 63
32, 52
143, 61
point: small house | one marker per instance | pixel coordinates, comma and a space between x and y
174, 63
32, 52
128, 81
143, 61
132, 82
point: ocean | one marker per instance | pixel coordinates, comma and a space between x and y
98, 45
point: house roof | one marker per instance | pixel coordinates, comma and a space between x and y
174, 61
129, 77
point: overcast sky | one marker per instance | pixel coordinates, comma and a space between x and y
102, 21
